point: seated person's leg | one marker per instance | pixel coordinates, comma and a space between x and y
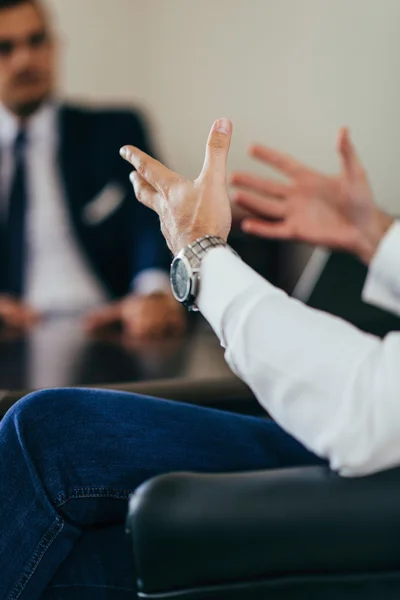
99, 567
69, 460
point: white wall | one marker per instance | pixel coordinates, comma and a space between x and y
288, 72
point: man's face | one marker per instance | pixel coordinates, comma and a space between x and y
27, 59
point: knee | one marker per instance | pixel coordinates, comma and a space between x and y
39, 413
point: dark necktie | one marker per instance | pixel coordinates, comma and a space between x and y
17, 219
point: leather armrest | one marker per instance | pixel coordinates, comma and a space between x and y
200, 531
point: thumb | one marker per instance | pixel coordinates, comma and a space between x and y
218, 144
351, 163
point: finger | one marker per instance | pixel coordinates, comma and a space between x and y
282, 162
31, 318
105, 317
11, 305
280, 230
145, 328
218, 144
260, 205
12, 319
258, 184
30, 313
178, 323
18, 316
176, 326
144, 192
351, 162
151, 170
19, 322
155, 326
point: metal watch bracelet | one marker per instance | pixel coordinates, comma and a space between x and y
192, 255
199, 248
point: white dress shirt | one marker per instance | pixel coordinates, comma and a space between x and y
58, 275
332, 387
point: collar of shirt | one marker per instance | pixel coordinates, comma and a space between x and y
42, 126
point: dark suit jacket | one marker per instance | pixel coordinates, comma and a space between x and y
338, 291
123, 238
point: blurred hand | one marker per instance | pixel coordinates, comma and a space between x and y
16, 315
187, 209
142, 317
334, 211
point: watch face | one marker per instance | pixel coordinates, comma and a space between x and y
180, 280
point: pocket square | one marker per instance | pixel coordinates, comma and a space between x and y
104, 205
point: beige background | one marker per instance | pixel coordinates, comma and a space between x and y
288, 72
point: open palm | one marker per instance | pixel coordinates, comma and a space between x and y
335, 211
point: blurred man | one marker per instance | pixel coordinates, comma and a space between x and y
72, 238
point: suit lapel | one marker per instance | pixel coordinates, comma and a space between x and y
79, 183
3, 254
72, 160
3, 233
75, 174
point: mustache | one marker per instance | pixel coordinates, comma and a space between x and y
27, 76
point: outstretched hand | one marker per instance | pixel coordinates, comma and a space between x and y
187, 209
334, 211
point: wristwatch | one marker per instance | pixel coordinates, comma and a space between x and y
185, 269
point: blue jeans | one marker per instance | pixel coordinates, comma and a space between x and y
70, 459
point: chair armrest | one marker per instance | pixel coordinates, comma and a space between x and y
200, 531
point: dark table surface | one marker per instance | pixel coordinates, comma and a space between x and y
58, 353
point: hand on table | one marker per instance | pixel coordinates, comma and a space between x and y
142, 317
337, 211
14, 314
187, 209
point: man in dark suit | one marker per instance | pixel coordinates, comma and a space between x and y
72, 236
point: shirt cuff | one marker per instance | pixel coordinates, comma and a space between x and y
151, 281
382, 286
223, 278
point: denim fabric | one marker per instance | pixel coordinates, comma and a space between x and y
70, 459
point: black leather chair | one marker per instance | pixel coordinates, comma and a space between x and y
286, 534
291, 534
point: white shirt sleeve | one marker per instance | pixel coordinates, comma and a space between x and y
382, 286
334, 388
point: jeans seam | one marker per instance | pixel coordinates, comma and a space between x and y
91, 492
41, 549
